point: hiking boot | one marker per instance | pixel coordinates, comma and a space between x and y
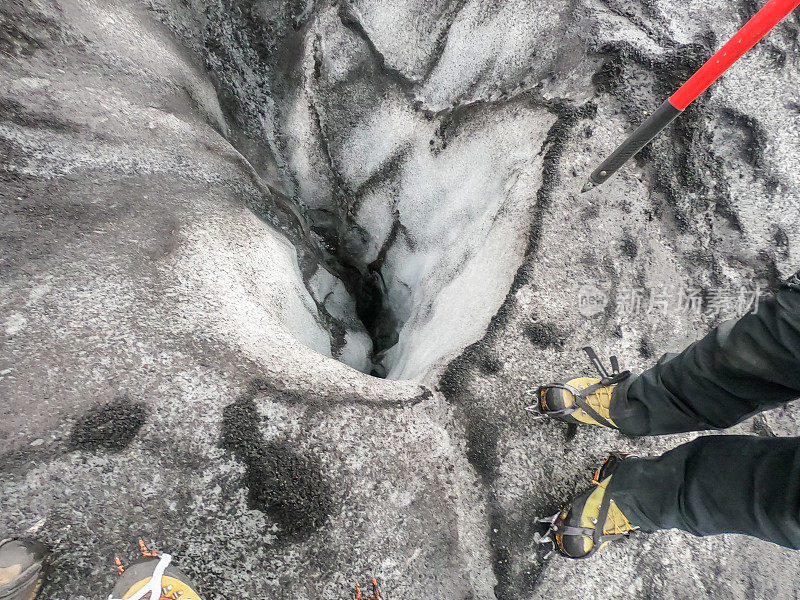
154, 575
22, 565
584, 400
575, 529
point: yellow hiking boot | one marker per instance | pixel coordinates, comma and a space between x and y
152, 577
584, 400
574, 531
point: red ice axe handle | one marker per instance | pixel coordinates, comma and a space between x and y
772, 13
756, 28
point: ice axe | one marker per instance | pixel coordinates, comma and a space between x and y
756, 28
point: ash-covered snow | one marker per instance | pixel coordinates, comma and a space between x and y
220, 216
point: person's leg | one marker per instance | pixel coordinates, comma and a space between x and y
716, 484
738, 369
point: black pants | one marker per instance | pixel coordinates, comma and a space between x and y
718, 484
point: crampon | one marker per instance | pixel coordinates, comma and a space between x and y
152, 577
376, 594
589, 522
581, 400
